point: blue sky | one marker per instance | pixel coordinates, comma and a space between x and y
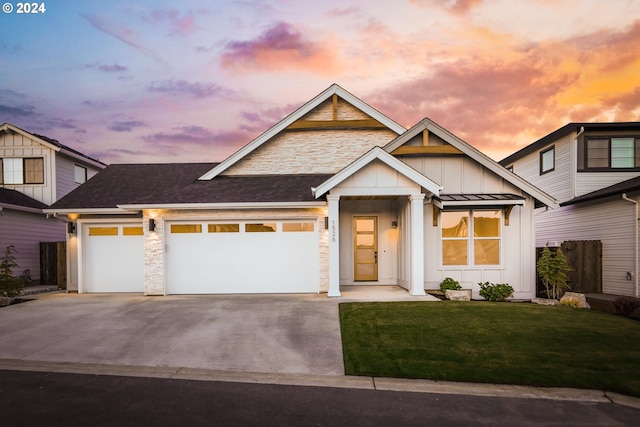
161, 81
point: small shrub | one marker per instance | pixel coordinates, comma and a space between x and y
449, 283
626, 305
495, 292
10, 286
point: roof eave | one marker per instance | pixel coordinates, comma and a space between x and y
229, 205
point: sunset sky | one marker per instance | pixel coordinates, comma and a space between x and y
194, 80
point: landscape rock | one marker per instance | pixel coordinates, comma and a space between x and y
544, 301
4, 301
461, 295
574, 299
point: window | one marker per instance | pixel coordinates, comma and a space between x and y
103, 231
132, 231
471, 235
224, 228
260, 228
288, 227
547, 160
80, 174
22, 171
612, 153
186, 228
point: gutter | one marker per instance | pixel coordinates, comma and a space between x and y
637, 218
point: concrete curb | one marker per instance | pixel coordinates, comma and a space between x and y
344, 381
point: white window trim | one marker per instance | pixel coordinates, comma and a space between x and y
470, 265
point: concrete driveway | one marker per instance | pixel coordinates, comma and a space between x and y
292, 334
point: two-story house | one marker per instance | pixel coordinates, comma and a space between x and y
593, 170
35, 171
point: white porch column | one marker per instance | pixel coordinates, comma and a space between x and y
416, 287
334, 245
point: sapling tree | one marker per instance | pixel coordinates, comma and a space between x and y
10, 286
552, 269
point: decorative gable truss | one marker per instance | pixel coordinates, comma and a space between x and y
321, 137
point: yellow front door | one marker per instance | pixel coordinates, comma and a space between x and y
365, 245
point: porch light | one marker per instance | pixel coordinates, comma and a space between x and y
152, 224
394, 224
71, 227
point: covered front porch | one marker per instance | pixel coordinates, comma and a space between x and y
376, 224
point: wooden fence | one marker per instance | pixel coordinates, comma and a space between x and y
585, 258
53, 264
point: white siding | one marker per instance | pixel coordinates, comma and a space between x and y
558, 183
592, 181
610, 221
25, 231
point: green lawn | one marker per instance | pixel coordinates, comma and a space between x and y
508, 343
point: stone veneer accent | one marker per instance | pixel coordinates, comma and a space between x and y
310, 151
154, 256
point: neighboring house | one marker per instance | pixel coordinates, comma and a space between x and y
35, 171
335, 194
593, 170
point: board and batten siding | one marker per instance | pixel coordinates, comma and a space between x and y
611, 221
25, 231
19, 146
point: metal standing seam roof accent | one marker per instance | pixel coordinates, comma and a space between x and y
479, 197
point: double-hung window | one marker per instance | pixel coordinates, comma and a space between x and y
471, 237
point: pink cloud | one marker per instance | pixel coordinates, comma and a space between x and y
193, 89
178, 25
280, 47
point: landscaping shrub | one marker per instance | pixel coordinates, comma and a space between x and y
552, 269
449, 283
495, 292
626, 305
10, 286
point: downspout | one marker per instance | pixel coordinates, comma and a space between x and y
637, 217
574, 154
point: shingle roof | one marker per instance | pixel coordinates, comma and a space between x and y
632, 184
126, 183
177, 183
241, 189
16, 198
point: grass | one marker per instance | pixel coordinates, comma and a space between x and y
502, 343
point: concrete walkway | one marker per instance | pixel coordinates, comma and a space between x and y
269, 339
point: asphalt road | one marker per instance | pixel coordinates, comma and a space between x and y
52, 399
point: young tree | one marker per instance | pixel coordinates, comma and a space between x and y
10, 286
552, 269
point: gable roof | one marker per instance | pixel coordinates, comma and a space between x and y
54, 145
224, 190
126, 183
12, 199
334, 89
629, 185
377, 153
564, 131
427, 124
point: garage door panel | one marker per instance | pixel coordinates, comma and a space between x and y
242, 262
113, 258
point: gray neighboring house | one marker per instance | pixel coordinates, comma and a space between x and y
35, 171
593, 170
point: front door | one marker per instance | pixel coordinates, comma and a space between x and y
365, 245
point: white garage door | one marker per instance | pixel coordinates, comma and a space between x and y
113, 257
242, 257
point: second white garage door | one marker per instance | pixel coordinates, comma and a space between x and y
242, 257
